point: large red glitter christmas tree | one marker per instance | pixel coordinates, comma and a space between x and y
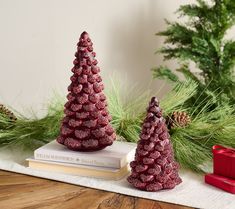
86, 125
154, 167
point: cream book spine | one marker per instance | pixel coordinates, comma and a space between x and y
75, 159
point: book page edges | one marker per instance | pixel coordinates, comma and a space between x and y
128, 158
114, 174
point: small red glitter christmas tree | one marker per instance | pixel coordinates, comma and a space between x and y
86, 125
154, 167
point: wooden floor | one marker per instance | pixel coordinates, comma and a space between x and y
21, 191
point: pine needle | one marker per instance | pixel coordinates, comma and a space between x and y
127, 109
34, 132
174, 100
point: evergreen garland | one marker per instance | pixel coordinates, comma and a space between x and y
192, 143
201, 39
33, 132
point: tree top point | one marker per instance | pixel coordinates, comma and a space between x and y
84, 35
154, 101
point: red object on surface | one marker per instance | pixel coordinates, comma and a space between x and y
154, 167
86, 125
224, 161
221, 182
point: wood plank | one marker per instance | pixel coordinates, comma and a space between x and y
151, 204
35, 193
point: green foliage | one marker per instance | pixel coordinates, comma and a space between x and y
127, 109
192, 144
175, 100
33, 132
164, 73
201, 39
205, 130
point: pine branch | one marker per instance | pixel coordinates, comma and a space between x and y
201, 10
176, 99
228, 57
163, 72
188, 74
201, 39
193, 144
183, 53
177, 34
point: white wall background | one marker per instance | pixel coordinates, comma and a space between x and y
38, 40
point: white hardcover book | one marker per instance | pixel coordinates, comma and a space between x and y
115, 156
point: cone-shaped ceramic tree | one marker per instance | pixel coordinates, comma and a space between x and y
154, 167
86, 125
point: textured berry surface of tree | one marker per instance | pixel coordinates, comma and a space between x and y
154, 167
86, 125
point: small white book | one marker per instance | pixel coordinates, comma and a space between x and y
118, 155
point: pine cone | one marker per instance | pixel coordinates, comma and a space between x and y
154, 167
6, 112
86, 125
178, 119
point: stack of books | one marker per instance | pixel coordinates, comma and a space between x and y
110, 163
